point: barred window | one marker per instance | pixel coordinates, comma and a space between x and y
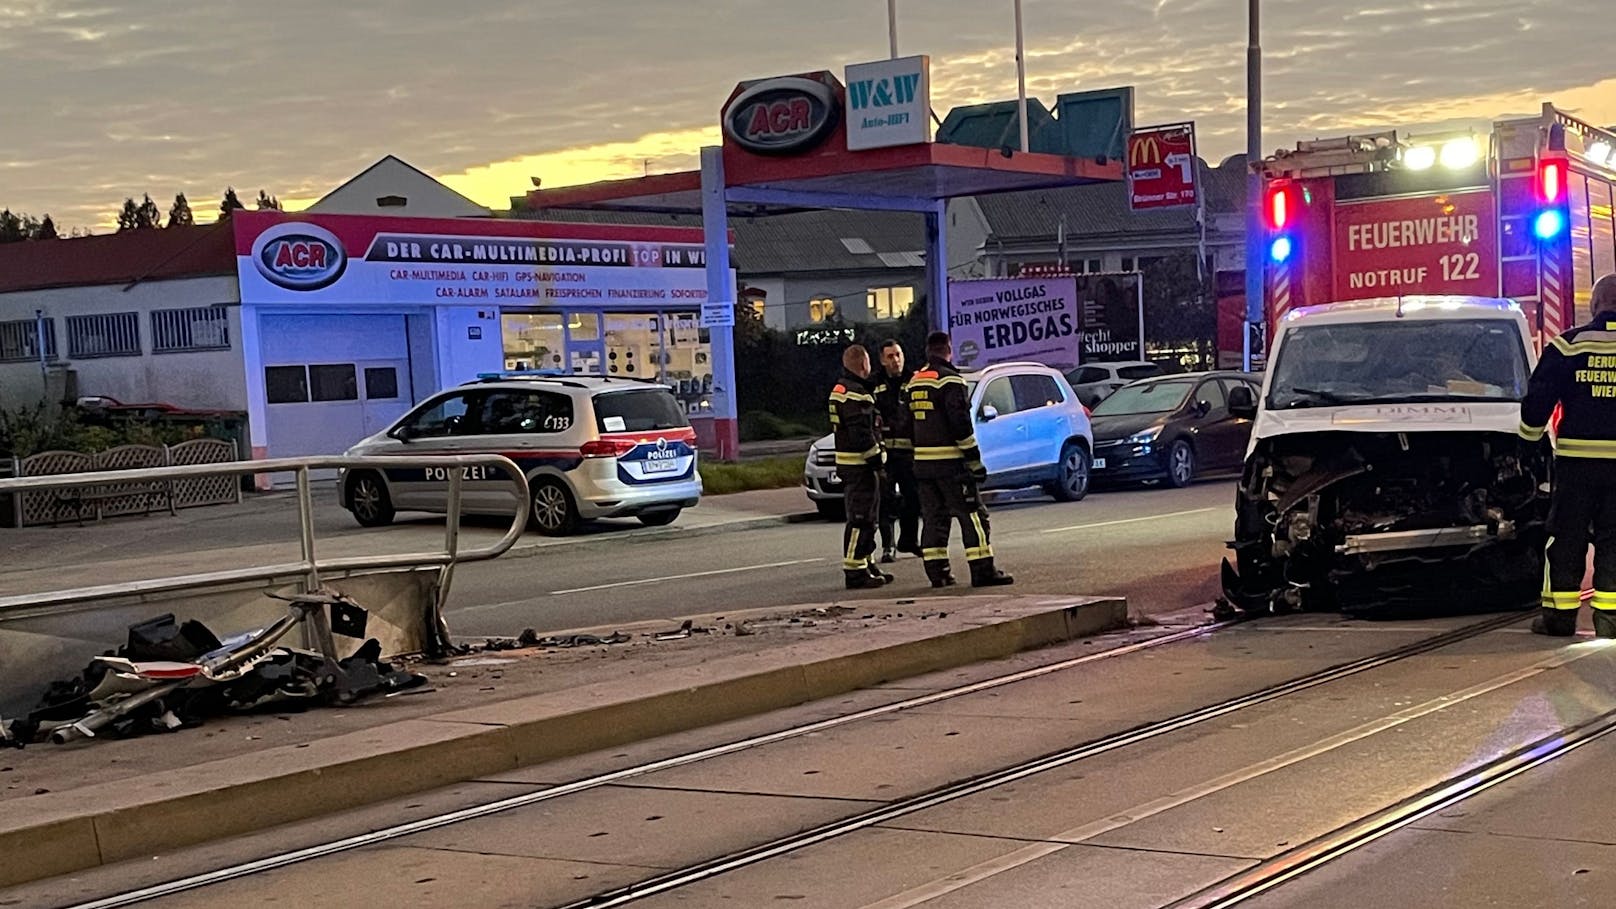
197, 328
19, 340
115, 334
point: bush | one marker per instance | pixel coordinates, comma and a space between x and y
762, 426
30, 430
722, 477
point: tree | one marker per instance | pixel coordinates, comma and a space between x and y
1180, 306
148, 214
128, 216
180, 213
11, 228
230, 203
46, 230
266, 202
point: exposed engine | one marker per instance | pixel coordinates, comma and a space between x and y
1360, 521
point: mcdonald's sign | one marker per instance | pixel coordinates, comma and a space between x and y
1161, 167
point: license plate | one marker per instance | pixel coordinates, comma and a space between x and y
1099, 463
665, 466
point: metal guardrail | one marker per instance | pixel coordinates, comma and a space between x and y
310, 566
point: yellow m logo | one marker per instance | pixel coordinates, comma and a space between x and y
1143, 150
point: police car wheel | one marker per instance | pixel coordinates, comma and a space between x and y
659, 518
554, 514
368, 500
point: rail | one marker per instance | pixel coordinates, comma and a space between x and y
311, 566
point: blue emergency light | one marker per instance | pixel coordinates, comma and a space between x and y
1280, 249
1548, 224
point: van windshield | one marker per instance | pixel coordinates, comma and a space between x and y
639, 410
1388, 362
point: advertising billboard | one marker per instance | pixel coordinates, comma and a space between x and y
999, 320
1161, 167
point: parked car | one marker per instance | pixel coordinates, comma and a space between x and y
1094, 382
1031, 428
591, 446
1384, 469
1171, 428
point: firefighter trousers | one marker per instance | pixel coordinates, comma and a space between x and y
944, 500
900, 503
861, 498
1582, 510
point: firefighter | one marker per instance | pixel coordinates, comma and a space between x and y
948, 468
900, 501
859, 461
1577, 374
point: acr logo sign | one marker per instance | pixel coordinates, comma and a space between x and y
782, 116
298, 255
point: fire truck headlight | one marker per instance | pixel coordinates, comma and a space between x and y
1458, 154
1548, 224
1280, 249
1420, 157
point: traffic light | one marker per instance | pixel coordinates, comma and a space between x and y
1550, 185
1280, 207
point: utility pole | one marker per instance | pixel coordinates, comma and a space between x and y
1021, 76
1254, 221
892, 26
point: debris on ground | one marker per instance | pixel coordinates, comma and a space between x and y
172, 675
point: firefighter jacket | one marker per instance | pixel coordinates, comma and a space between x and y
853, 420
1578, 374
892, 401
945, 437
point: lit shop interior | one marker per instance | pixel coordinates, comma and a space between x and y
668, 347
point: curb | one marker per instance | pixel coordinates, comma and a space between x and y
104, 824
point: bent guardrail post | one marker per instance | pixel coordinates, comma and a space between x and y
311, 567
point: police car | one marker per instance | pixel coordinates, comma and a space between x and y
591, 446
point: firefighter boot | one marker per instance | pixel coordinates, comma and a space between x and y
938, 572
1558, 623
1604, 623
862, 580
878, 574
983, 574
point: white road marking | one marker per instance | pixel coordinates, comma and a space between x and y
1152, 517
681, 577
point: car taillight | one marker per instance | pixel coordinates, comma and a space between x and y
607, 448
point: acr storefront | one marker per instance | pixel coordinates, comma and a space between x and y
326, 328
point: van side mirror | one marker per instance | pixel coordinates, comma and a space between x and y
1242, 403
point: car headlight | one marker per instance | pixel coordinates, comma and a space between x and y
1143, 438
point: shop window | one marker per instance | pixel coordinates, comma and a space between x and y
197, 328
687, 362
333, 382
583, 326
633, 345
381, 383
286, 384
19, 340
523, 412
890, 302
115, 334
533, 340
821, 309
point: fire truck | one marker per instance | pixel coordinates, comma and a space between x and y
1518, 208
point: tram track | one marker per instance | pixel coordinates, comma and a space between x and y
686, 876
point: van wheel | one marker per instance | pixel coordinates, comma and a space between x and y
368, 500
660, 518
1072, 479
1180, 464
554, 514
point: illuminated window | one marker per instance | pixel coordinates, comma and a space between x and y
890, 302
820, 309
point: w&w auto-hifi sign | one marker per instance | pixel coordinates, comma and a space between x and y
1161, 167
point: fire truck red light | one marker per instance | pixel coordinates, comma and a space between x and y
1551, 181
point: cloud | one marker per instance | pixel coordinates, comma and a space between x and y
109, 98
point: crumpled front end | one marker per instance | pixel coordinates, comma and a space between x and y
1365, 521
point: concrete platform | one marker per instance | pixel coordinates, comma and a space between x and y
81, 806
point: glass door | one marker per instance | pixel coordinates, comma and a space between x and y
586, 346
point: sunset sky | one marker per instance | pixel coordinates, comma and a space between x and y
111, 98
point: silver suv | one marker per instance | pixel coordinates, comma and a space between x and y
1030, 425
591, 446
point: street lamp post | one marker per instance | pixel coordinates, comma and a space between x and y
892, 26
1254, 222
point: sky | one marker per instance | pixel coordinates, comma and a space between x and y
105, 99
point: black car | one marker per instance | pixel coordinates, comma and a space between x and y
1171, 428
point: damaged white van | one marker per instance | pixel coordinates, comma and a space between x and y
1384, 470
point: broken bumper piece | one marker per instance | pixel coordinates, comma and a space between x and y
1403, 540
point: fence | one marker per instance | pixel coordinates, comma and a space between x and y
137, 496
